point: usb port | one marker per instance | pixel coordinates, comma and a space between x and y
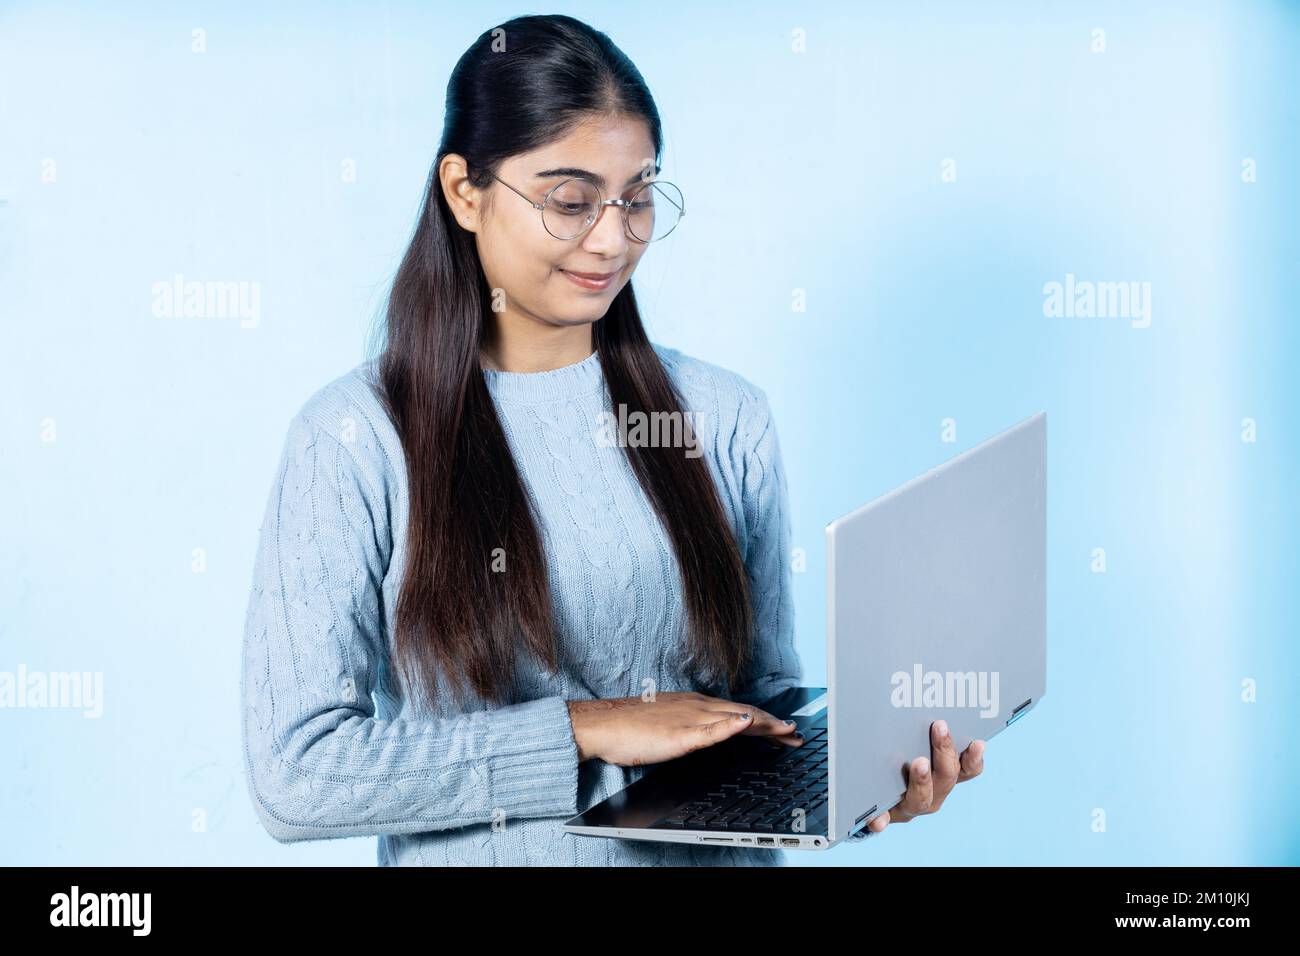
1018, 713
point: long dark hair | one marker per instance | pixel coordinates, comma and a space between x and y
455, 616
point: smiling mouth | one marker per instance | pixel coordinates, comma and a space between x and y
593, 276
592, 282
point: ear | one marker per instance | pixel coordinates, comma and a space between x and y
463, 198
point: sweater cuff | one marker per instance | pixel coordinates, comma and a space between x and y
534, 761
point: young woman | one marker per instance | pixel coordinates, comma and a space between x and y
480, 603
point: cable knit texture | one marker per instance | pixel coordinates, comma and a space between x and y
333, 748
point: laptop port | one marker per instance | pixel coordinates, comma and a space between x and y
789, 841
766, 841
1018, 712
718, 840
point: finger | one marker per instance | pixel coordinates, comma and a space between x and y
972, 761
920, 790
778, 731
880, 821
898, 815
763, 723
794, 739
715, 731
781, 737
945, 762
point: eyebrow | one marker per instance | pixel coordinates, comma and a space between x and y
598, 179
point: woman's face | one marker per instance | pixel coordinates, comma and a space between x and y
524, 264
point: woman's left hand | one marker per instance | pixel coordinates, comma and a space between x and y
926, 791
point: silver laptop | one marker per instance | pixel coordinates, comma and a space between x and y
936, 608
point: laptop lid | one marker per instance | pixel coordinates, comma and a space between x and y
936, 608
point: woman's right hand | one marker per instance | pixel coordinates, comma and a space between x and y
630, 731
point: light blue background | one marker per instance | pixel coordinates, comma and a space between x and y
818, 171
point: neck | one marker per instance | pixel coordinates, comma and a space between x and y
515, 346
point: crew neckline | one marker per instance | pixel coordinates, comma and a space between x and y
567, 381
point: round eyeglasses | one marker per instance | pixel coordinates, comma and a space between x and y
571, 208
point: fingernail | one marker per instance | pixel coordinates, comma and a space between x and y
924, 767
791, 723
942, 727
744, 716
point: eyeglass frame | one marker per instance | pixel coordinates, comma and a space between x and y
603, 202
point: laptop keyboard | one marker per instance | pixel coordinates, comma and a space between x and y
761, 798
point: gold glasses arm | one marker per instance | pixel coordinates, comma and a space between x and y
535, 205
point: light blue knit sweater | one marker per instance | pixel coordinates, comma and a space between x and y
333, 749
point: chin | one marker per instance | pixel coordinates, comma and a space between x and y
587, 309
581, 317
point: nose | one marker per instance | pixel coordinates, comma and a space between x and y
608, 234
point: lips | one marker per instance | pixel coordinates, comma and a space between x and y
593, 276
591, 281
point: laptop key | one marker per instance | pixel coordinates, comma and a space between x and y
730, 806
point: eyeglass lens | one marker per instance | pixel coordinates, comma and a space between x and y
573, 206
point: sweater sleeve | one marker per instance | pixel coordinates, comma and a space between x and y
319, 764
766, 546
